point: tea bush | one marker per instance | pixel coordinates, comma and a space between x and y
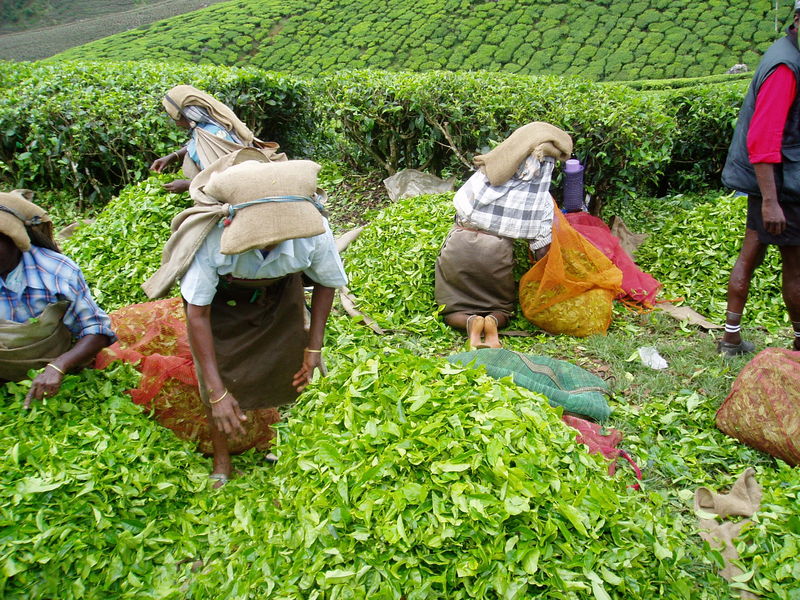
430, 120
81, 126
95, 127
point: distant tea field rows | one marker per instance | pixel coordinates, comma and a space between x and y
87, 21
600, 40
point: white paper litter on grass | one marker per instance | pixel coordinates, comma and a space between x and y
652, 358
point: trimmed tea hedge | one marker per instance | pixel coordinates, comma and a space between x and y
95, 127
430, 120
600, 40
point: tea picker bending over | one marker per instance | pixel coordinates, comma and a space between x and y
507, 198
48, 318
215, 132
243, 288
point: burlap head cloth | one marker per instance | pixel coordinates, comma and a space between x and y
182, 96
537, 138
23, 221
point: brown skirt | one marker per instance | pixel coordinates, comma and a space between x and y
259, 337
474, 273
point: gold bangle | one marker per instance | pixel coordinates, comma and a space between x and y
218, 400
55, 367
314, 351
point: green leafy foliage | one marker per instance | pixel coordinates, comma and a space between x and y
693, 244
391, 264
122, 247
409, 477
94, 128
600, 41
706, 117
96, 500
91, 135
431, 120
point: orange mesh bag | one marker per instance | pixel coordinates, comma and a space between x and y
153, 337
763, 408
572, 289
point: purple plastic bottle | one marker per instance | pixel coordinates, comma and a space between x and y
573, 186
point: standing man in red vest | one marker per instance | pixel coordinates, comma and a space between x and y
764, 162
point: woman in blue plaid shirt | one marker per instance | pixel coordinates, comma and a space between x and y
48, 319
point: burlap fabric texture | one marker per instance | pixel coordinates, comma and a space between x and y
182, 96
537, 138
743, 500
210, 148
22, 220
191, 226
266, 223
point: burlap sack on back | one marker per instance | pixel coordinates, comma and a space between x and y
538, 138
268, 223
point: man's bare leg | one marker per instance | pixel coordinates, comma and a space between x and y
750, 258
790, 257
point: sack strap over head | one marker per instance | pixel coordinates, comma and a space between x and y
234, 208
35, 220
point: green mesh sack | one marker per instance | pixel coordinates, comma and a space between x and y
575, 389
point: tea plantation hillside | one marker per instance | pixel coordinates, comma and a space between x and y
18, 15
35, 29
601, 40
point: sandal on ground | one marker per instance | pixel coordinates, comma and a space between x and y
219, 478
728, 349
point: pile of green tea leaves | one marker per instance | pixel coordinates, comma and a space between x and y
391, 264
408, 477
97, 500
122, 247
693, 244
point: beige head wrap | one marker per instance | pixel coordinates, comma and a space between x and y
538, 138
182, 96
24, 222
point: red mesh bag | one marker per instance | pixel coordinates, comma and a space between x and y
152, 336
637, 286
602, 440
763, 408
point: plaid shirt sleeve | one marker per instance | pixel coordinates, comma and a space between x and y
84, 316
62, 276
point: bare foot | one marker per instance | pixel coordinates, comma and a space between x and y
491, 336
474, 330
